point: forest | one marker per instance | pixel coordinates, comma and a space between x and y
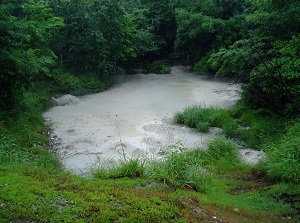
51, 47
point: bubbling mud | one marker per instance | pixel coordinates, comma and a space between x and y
134, 118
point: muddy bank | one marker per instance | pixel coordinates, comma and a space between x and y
134, 118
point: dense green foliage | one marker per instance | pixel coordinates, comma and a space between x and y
26, 29
266, 59
158, 67
155, 23
96, 37
204, 26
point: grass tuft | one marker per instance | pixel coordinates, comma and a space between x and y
222, 148
283, 160
180, 169
202, 118
194, 116
131, 168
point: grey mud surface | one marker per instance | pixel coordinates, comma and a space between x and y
134, 118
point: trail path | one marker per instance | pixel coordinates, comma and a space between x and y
134, 117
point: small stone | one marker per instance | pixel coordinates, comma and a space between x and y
198, 210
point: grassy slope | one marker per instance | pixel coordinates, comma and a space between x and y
34, 195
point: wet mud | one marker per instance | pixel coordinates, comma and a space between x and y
134, 118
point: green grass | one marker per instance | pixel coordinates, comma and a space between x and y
181, 170
22, 135
131, 168
263, 127
202, 118
283, 161
196, 168
259, 129
218, 175
36, 195
32, 194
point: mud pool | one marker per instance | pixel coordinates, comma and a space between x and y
134, 118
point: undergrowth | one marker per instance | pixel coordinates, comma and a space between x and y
23, 139
277, 136
65, 82
158, 67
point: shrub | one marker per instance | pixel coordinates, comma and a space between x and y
65, 81
275, 83
91, 84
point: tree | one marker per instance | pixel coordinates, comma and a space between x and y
155, 26
267, 58
97, 35
26, 27
162, 18
204, 26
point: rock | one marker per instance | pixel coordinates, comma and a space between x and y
215, 131
251, 156
65, 100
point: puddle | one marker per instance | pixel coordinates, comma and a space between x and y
134, 118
